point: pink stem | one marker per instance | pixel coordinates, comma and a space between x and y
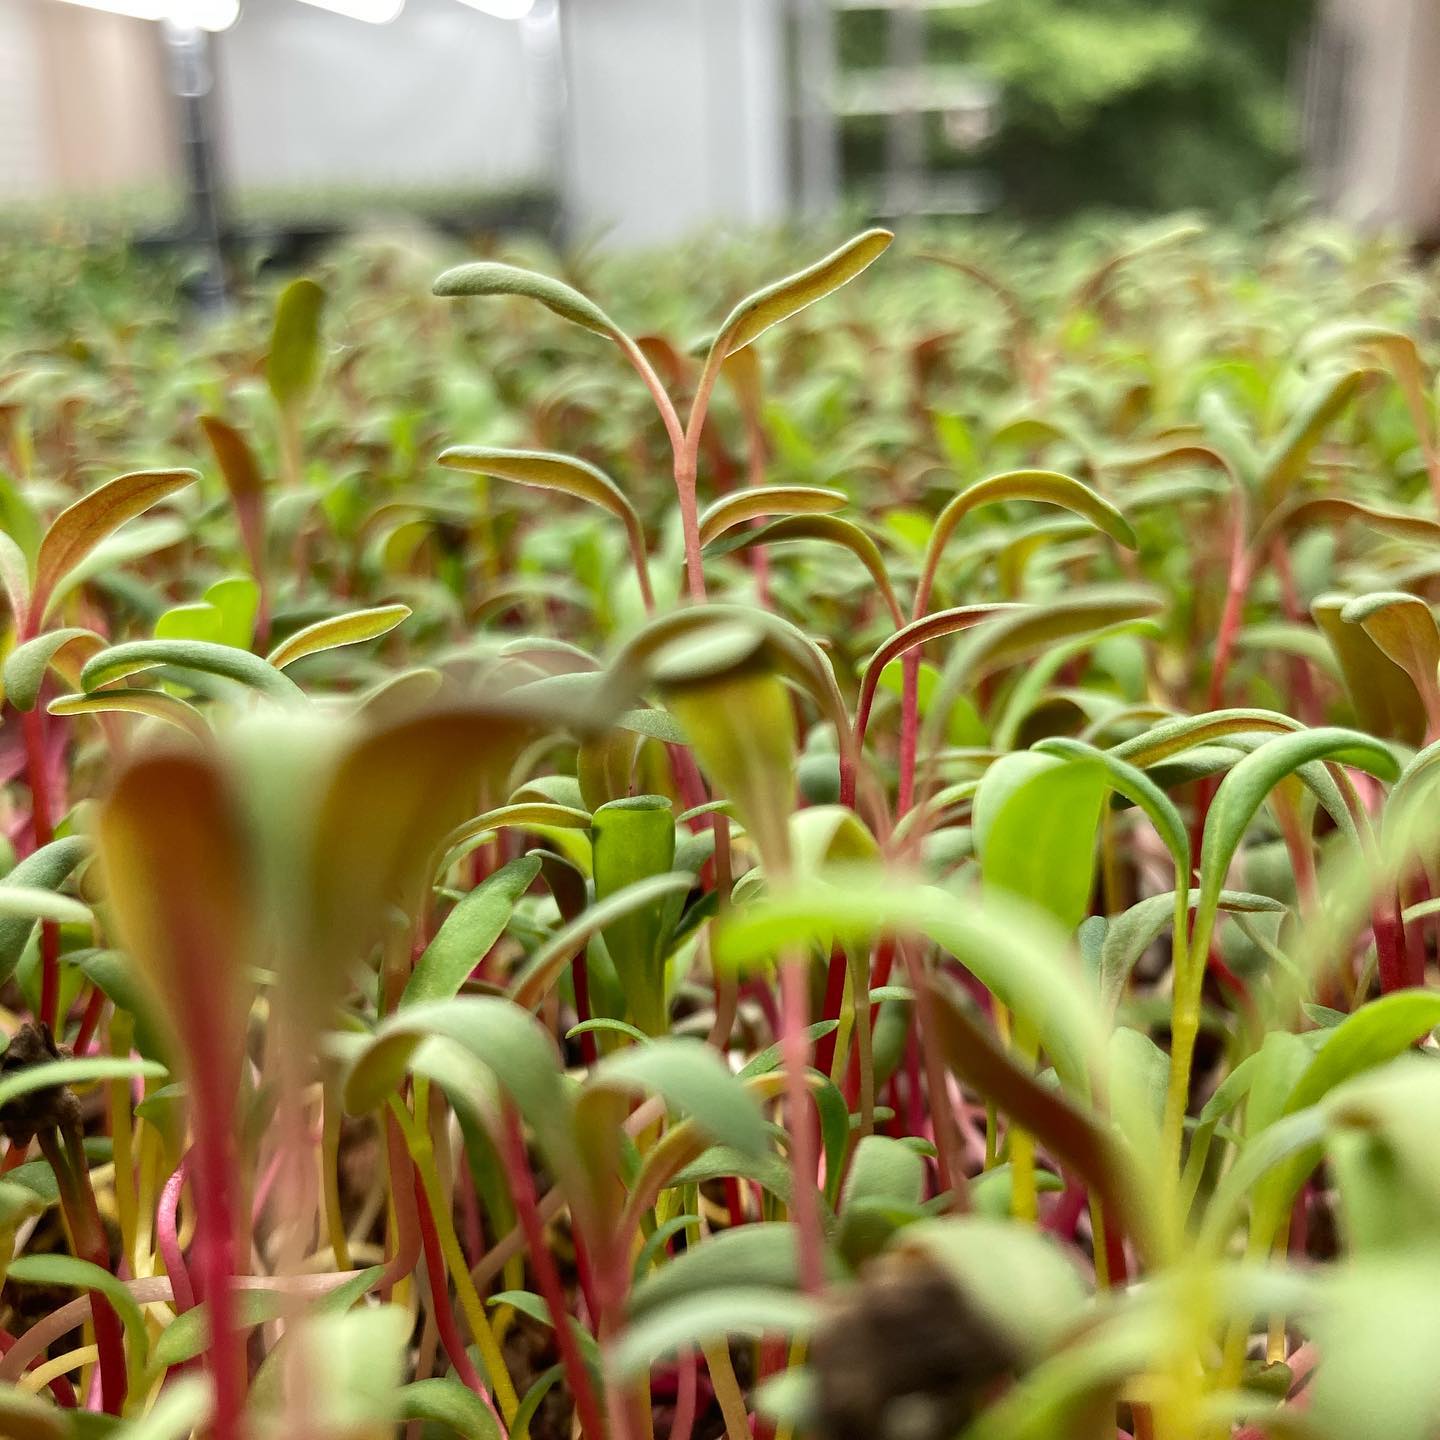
214, 1185
167, 1237
804, 1156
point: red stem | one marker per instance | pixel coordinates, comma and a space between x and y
213, 1184
77, 1198
445, 1322
522, 1191
909, 729
580, 973
1236, 585
834, 999
1390, 950
94, 1008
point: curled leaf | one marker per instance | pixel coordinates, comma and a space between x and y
753, 316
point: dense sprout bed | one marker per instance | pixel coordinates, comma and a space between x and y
588, 854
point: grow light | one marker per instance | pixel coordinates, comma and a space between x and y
212, 15
372, 12
502, 9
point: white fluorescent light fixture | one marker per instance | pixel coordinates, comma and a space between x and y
212, 15
372, 12
502, 9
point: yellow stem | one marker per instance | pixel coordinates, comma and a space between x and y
422, 1151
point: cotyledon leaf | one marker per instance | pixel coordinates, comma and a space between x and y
743, 505
468, 932
545, 967
76, 1072
155, 704
132, 656
754, 315
1245, 788
329, 634
1404, 628
76, 531
1131, 933
294, 359
47, 868
691, 1077
1019, 954
545, 470
27, 664
492, 278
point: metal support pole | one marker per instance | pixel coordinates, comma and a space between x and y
187, 49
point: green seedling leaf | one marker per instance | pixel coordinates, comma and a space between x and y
489, 278
886, 1176
294, 360
922, 632
753, 316
1323, 403
1036, 818
545, 471
113, 973
830, 530
1174, 736
741, 506
226, 615
76, 1072
24, 1416
1247, 785
1013, 950
30, 901
188, 1335
721, 686
1047, 486
47, 868
1376, 1032
1330, 512
1020, 1279
634, 840
72, 1273
77, 530
27, 664
534, 982
445, 1401
692, 1078
701, 1319
469, 931
154, 704
1133, 931
505, 1038
611, 1027
1026, 632
352, 629
761, 1256
134, 656
1138, 788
